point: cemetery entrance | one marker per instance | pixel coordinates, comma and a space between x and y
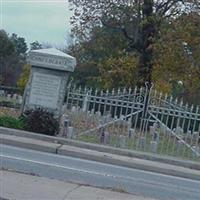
137, 119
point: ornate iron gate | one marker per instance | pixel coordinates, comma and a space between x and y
140, 119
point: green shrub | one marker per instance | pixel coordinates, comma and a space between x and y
40, 121
11, 122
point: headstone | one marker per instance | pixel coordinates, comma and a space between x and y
64, 108
104, 136
189, 134
156, 125
101, 122
8, 97
98, 114
153, 146
168, 131
107, 138
108, 116
47, 82
120, 122
70, 132
156, 136
115, 117
64, 123
104, 119
195, 135
142, 143
179, 146
179, 130
196, 148
88, 112
15, 96
92, 111
121, 141
20, 99
2, 93
73, 109
163, 129
152, 130
131, 133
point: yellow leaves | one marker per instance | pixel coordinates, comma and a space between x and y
119, 71
21, 83
177, 57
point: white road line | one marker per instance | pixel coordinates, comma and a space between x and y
143, 181
102, 164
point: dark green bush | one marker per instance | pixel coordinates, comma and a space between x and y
11, 122
40, 121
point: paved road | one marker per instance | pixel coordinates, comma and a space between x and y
76, 170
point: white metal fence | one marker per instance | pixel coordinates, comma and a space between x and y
140, 119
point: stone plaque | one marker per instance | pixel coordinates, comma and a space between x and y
45, 90
46, 87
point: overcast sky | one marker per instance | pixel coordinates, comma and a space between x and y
44, 20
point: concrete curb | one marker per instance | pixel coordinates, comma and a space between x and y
108, 158
29, 143
102, 148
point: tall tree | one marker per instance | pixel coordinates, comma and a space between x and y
7, 49
138, 20
91, 54
12, 57
177, 58
6, 46
19, 44
35, 45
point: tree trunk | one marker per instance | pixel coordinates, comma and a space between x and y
146, 44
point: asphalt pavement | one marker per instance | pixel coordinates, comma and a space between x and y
81, 171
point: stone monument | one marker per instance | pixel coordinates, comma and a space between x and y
46, 87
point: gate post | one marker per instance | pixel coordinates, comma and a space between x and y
148, 88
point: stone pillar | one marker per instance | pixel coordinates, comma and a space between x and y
46, 88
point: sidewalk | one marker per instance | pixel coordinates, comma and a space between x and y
17, 186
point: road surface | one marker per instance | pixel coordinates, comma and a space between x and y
134, 181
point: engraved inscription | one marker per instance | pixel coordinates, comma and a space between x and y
45, 90
53, 61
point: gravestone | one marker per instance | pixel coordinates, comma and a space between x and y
179, 146
73, 109
2, 93
153, 146
104, 136
142, 142
179, 130
46, 88
70, 132
155, 136
131, 133
121, 141
152, 130
8, 97
20, 99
